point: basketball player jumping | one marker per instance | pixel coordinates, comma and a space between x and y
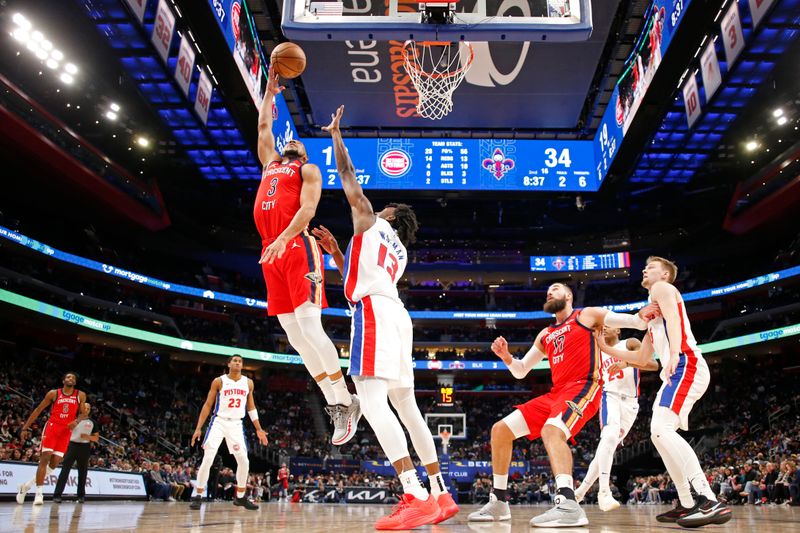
560, 414
619, 405
64, 416
286, 202
685, 378
230, 395
381, 342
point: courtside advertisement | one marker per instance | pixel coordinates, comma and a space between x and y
102, 483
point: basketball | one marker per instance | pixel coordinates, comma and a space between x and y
289, 60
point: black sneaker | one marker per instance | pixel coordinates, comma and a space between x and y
197, 502
672, 515
244, 502
56, 499
705, 512
80, 500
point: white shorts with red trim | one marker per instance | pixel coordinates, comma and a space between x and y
686, 386
381, 337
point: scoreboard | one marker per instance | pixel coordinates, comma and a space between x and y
579, 263
461, 164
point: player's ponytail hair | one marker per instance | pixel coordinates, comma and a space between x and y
405, 223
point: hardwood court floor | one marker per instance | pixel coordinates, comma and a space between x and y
312, 518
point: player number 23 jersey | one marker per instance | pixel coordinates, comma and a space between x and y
374, 262
626, 381
232, 397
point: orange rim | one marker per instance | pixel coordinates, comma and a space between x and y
436, 75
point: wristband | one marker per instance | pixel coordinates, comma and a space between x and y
253, 413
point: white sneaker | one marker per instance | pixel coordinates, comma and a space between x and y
607, 502
22, 491
494, 511
345, 421
39, 498
566, 513
580, 493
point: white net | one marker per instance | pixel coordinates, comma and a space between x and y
436, 70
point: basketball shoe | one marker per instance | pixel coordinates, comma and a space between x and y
565, 513
606, 501
705, 512
494, 511
411, 512
244, 502
197, 502
672, 515
447, 507
345, 421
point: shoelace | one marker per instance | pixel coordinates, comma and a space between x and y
335, 414
397, 509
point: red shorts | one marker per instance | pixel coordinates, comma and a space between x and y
55, 438
575, 404
295, 278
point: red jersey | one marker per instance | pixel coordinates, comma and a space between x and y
65, 408
572, 352
277, 199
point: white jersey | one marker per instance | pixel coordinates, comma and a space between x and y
626, 381
657, 329
374, 262
232, 397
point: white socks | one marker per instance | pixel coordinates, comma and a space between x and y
437, 485
340, 392
327, 390
240, 492
500, 481
564, 481
412, 485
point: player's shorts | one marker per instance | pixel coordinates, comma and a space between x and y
230, 429
575, 404
296, 277
686, 386
381, 337
619, 411
55, 438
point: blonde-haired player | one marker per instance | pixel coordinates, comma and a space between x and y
230, 395
685, 378
619, 405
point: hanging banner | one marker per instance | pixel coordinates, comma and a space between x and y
185, 66
732, 36
138, 7
203, 101
163, 27
691, 100
759, 8
709, 69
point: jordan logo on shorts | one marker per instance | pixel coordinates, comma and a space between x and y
572, 405
313, 277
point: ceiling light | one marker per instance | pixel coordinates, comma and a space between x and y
47, 45
66, 78
751, 145
782, 121
57, 55
41, 54
778, 112
20, 20
144, 142
21, 34
32, 45
111, 115
37, 36
70, 68
114, 107
51, 63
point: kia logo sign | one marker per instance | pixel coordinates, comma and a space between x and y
395, 163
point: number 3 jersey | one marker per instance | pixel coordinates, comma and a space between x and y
626, 381
232, 397
572, 352
374, 262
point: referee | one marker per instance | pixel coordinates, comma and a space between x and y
86, 432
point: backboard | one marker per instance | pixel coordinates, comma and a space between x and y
455, 423
473, 20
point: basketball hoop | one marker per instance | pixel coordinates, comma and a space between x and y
436, 69
445, 436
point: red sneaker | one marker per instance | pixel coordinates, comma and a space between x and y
411, 512
447, 507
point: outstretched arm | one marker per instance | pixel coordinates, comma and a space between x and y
363, 215
519, 368
210, 399
252, 412
266, 139
640, 358
329, 244
633, 345
47, 400
597, 316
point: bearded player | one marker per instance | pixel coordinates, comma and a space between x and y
291, 261
559, 415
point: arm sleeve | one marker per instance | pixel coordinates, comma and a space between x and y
520, 367
622, 320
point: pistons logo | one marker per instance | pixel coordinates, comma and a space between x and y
395, 163
236, 10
